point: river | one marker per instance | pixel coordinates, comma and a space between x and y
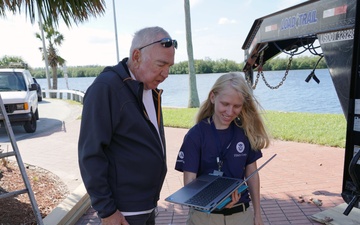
295, 95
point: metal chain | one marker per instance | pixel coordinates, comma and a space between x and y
282, 80
260, 72
256, 81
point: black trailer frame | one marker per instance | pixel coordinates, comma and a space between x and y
335, 25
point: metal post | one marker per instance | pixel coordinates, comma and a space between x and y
116, 37
351, 180
66, 76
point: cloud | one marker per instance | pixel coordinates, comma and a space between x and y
224, 20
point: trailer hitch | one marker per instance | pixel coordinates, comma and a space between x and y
356, 181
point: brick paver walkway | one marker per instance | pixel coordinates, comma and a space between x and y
299, 171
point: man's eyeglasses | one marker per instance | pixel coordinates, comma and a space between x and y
166, 42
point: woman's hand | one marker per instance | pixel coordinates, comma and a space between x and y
258, 220
235, 197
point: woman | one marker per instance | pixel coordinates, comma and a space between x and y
226, 140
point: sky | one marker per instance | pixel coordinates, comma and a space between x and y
219, 29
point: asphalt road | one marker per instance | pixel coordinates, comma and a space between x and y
52, 113
54, 144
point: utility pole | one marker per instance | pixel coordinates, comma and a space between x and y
116, 37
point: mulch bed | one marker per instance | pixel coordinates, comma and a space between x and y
48, 189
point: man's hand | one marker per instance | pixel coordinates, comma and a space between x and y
235, 197
115, 219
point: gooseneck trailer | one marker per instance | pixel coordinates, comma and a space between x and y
328, 29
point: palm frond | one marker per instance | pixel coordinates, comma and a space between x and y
70, 11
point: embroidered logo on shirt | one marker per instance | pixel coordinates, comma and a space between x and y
240, 147
181, 155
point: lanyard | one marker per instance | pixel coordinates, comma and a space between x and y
222, 154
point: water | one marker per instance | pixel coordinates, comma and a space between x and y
295, 95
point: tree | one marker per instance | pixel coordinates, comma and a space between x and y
194, 97
54, 38
52, 10
6, 60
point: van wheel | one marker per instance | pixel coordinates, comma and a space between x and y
30, 126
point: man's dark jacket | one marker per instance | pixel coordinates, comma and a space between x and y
121, 158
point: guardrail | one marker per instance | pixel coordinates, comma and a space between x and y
74, 95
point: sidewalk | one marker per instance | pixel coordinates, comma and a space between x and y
298, 170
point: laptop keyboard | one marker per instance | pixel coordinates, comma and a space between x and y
210, 192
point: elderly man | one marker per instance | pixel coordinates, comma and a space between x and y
122, 154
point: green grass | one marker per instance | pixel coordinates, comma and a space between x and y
179, 117
322, 129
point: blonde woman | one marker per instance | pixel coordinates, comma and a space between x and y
226, 140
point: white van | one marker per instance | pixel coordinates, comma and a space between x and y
19, 94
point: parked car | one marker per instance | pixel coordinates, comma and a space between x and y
19, 95
39, 92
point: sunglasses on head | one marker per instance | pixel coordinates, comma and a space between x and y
166, 42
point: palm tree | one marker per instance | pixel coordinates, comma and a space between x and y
193, 98
54, 38
52, 10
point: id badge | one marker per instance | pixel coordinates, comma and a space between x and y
217, 173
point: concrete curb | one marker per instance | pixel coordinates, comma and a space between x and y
69, 211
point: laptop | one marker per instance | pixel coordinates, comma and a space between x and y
209, 192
